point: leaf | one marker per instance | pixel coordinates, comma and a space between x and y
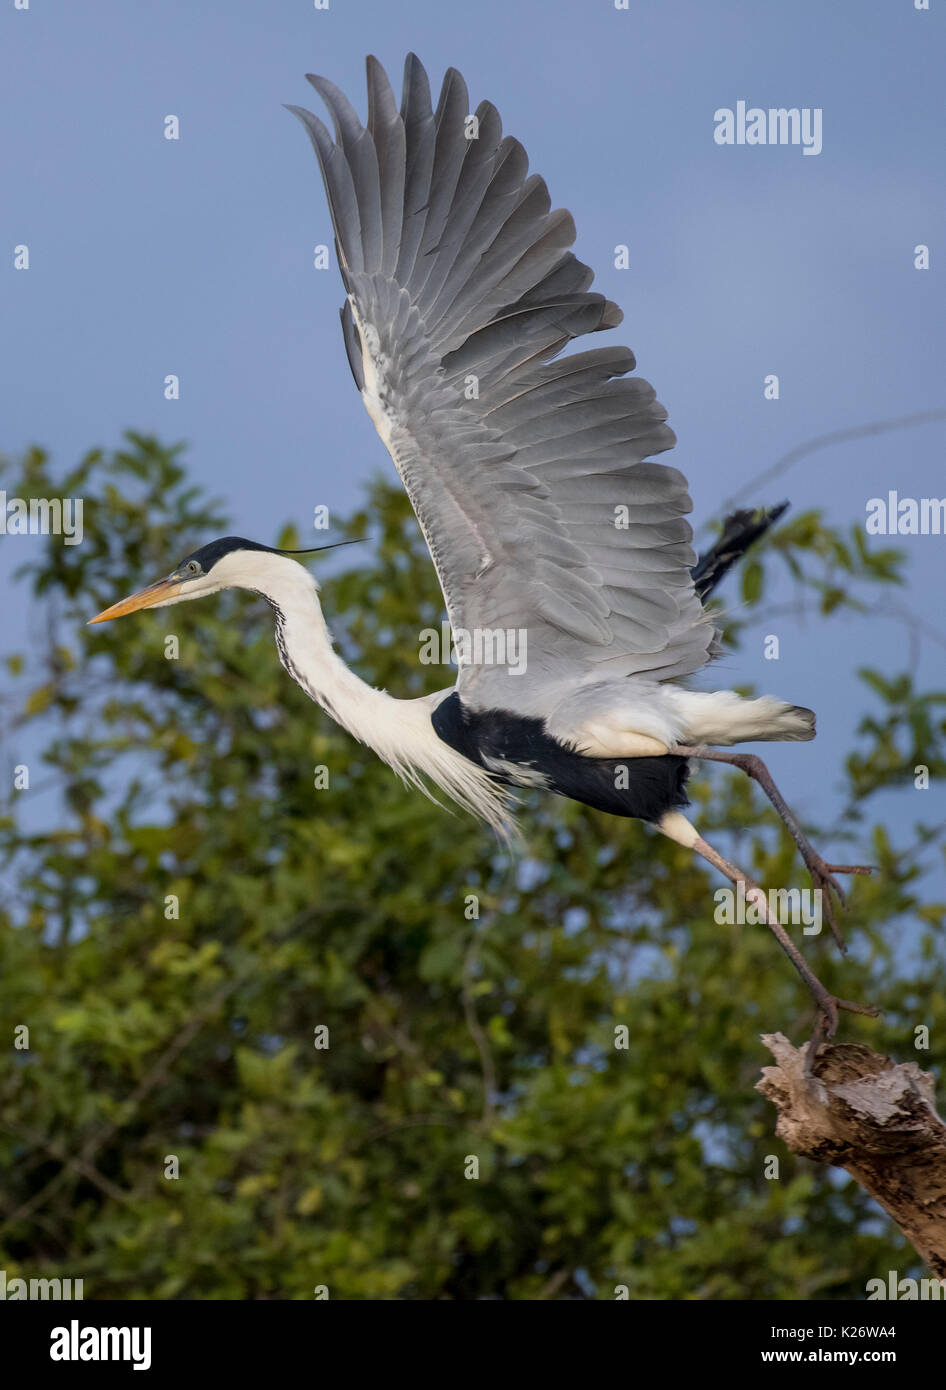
40, 699
752, 581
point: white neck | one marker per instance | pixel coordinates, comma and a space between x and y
399, 731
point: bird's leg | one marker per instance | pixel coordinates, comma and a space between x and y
676, 827
822, 874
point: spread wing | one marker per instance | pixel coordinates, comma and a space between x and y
526, 468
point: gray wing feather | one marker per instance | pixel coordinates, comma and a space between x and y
462, 289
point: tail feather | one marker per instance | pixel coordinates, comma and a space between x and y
721, 717
740, 531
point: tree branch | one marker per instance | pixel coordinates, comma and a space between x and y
878, 1120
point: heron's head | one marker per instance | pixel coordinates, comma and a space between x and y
229, 563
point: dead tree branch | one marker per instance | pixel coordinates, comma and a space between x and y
874, 1118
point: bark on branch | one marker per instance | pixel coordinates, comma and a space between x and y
863, 1112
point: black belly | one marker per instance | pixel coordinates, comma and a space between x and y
644, 788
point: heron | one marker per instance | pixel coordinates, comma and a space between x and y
531, 471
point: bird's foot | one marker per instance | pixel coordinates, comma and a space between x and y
826, 1019
822, 874
832, 894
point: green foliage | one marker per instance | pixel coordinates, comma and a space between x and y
154, 1034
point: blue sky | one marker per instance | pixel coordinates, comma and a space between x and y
194, 257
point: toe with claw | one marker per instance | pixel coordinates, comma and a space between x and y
826, 1020
832, 894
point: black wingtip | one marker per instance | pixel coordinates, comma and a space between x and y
740, 531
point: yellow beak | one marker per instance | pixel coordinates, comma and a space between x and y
144, 598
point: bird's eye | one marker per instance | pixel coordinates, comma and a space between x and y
192, 569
